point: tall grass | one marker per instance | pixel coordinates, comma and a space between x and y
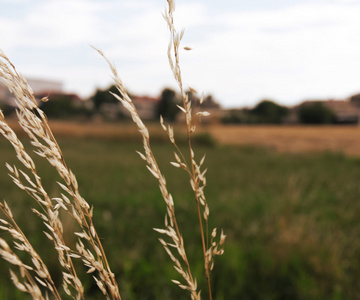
31, 274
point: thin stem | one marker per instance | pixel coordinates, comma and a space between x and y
175, 39
33, 253
207, 273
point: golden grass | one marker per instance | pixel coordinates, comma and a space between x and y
98, 129
281, 138
89, 249
292, 138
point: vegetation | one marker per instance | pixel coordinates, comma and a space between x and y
265, 112
7, 109
64, 107
269, 112
167, 105
101, 97
83, 250
315, 113
291, 219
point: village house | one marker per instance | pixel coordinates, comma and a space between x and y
146, 107
208, 105
40, 88
345, 111
45, 87
5, 95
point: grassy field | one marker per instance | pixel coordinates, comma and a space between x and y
294, 139
344, 139
291, 218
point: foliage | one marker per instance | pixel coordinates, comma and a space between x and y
265, 112
167, 105
207, 101
7, 109
101, 97
291, 219
315, 113
269, 112
64, 107
205, 139
84, 250
238, 116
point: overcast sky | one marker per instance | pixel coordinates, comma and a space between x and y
243, 51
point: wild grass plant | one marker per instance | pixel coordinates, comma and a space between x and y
30, 274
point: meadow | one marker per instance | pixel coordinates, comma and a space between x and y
291, 219
293, 138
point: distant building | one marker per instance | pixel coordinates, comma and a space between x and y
4, 93
345, 111
45, 87
145, 106
208, 105
355, 99
56, 107
40, 89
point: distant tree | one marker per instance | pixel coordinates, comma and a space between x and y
7, 109
62, 106
209, 102
193, 97
103, 96
315, 113
167, 105
269, 112
238, 116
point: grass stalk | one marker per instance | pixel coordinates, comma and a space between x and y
36, 279
34, 122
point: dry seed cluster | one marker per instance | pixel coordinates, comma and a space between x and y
34, 123
36, 279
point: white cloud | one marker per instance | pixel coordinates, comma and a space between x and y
287, 54
348, 1
59, 23
13, 1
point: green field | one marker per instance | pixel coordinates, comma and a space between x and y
292, 220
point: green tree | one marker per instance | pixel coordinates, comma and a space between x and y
63, 106
7, 109
103, 96
269, 112
209, 102
315, 113
167, 105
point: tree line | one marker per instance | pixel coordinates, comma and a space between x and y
63, 106
269, 112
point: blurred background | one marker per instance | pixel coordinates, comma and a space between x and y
280, 80
243, 52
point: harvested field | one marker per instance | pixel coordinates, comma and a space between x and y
344, 139
125, 131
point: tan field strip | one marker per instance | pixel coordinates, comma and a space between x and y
344, 139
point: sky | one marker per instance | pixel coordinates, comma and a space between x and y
242, 52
